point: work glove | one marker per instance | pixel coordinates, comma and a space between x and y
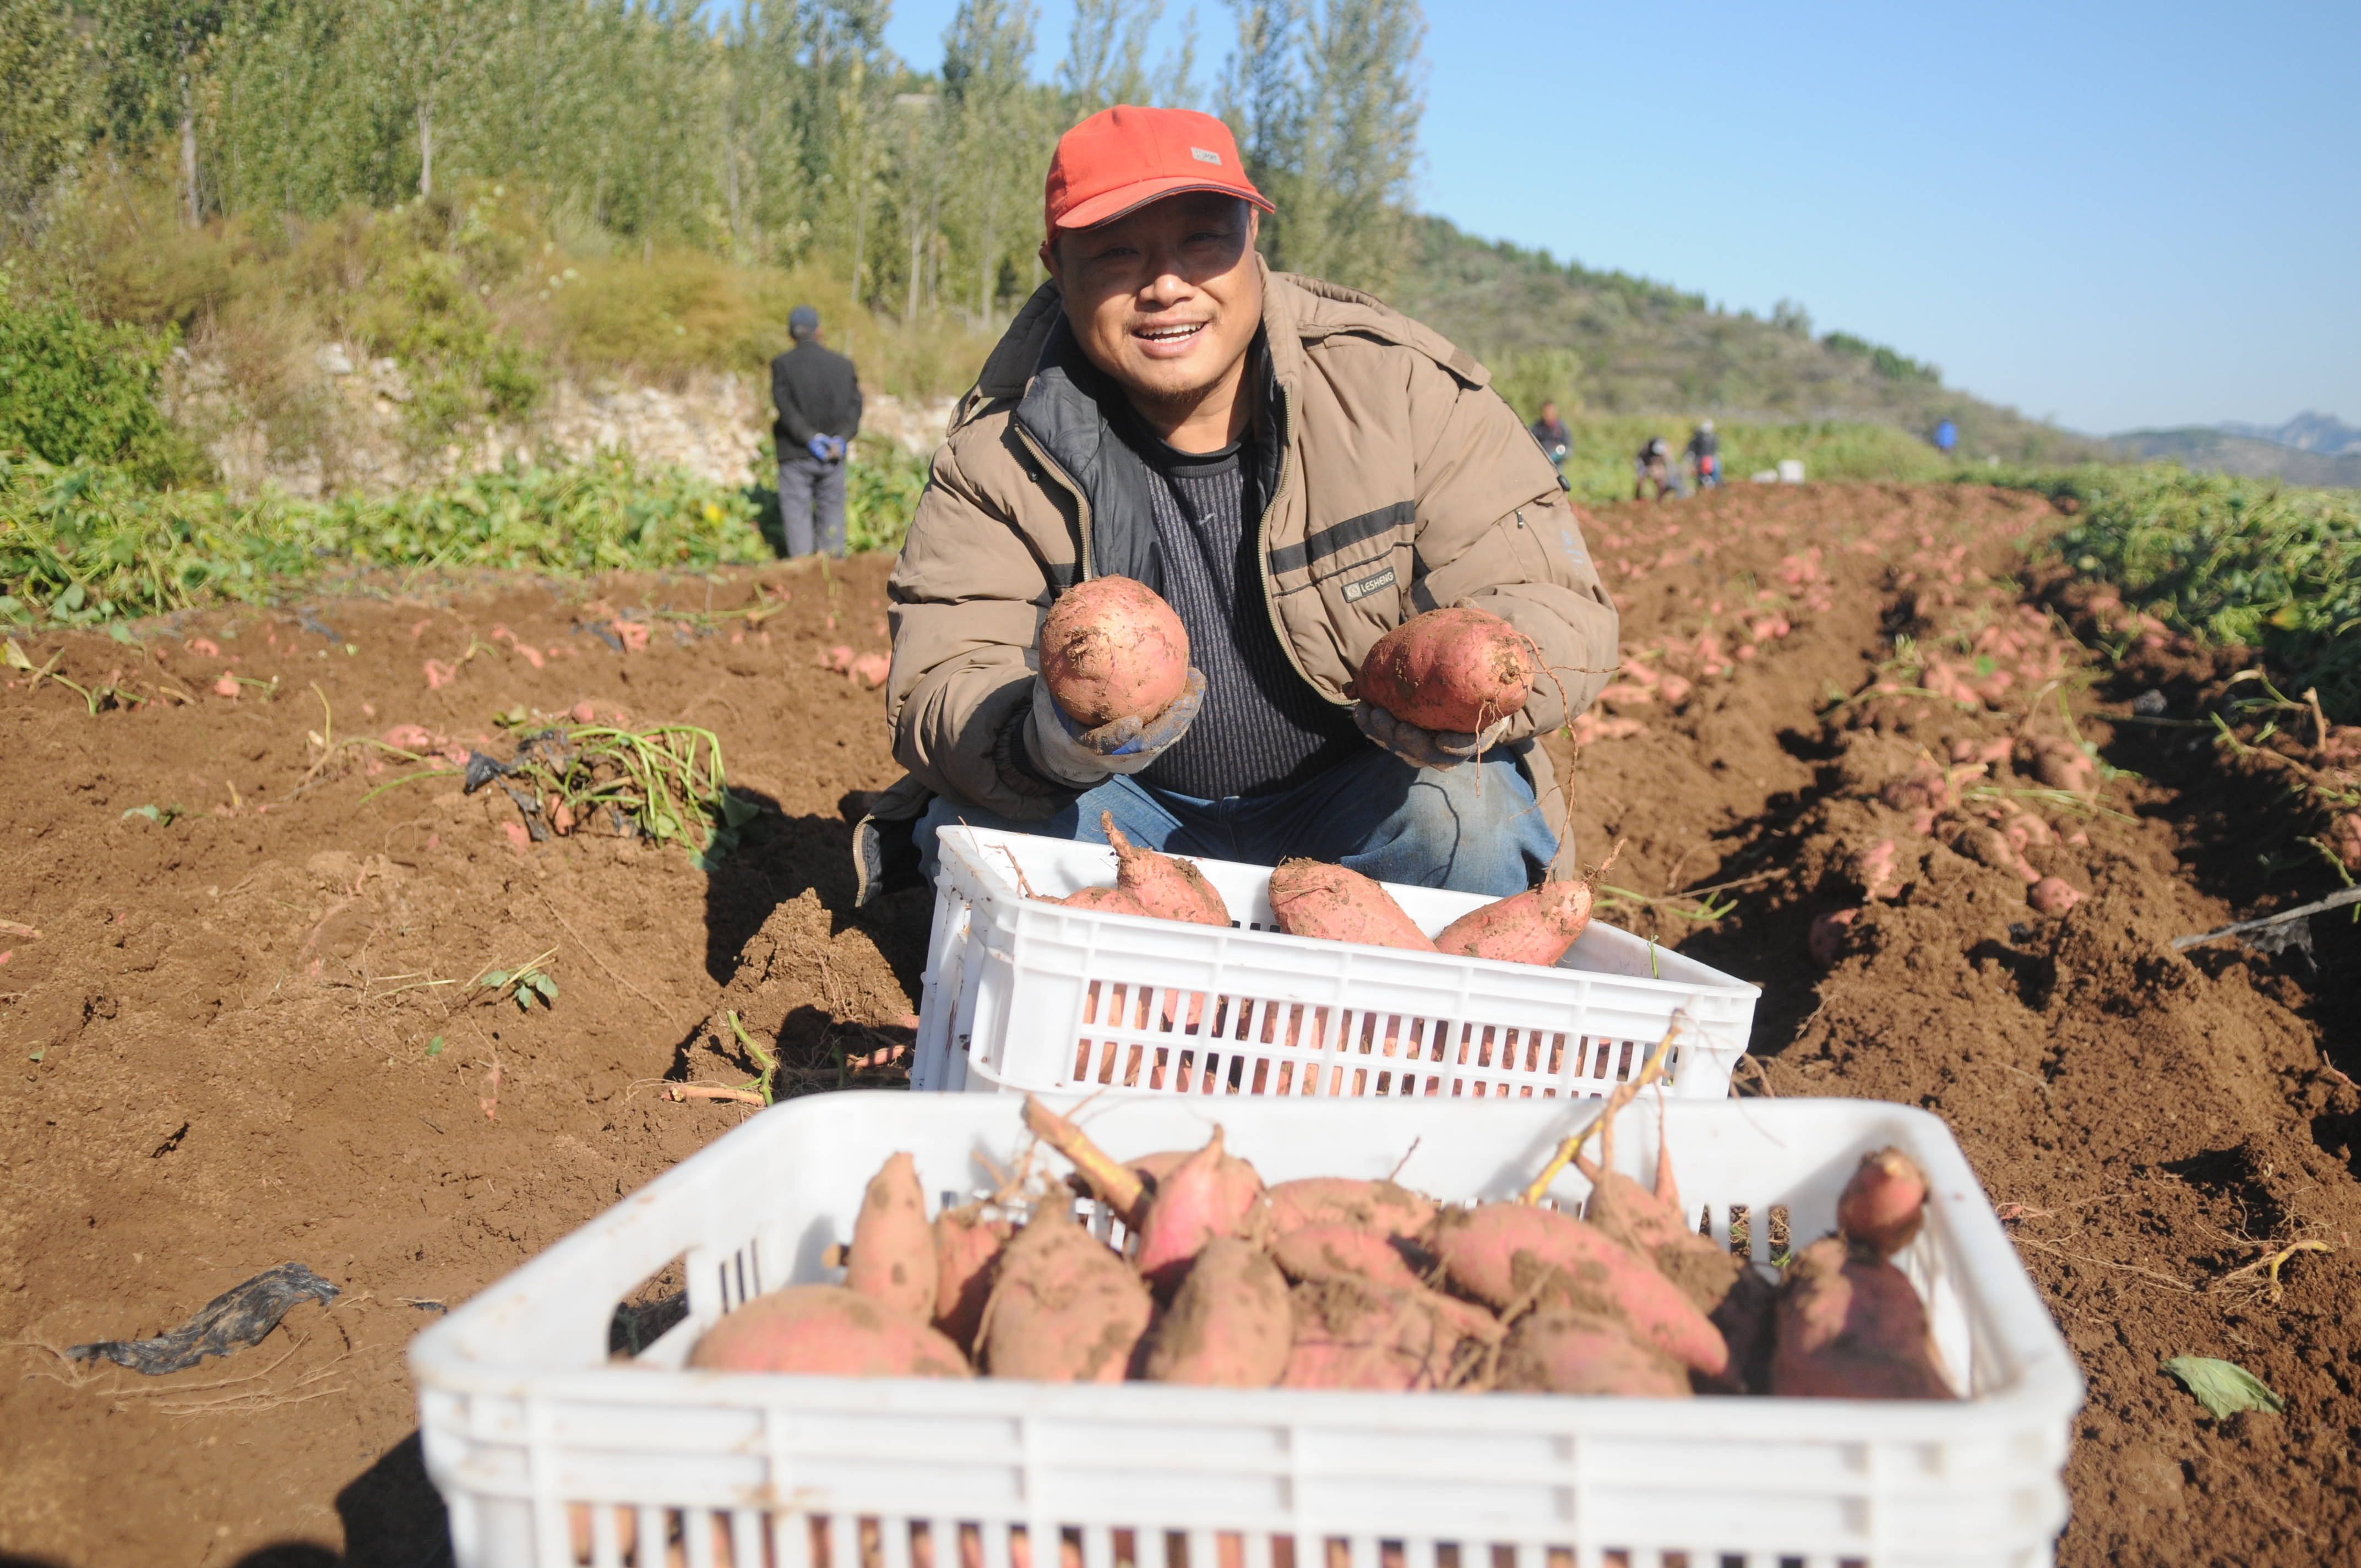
1425, 748
827, 448
1084, 757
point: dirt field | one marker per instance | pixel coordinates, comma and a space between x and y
244, 1035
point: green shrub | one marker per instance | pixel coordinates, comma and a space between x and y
73, 391
85, 543
2234, 562
881, 491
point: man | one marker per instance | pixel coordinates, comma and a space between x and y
1297, 469
1550, 432
818, 399
1705, 455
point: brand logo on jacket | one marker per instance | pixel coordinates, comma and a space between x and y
1368, 586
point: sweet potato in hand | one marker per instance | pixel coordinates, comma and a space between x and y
1111, 648
1457, 670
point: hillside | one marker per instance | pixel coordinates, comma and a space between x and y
2309, 430
2220, 451
1607, 342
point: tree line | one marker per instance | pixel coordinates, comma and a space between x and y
779, 132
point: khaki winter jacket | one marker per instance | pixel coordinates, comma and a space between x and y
1401, 482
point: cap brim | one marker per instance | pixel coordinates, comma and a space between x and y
1108, 205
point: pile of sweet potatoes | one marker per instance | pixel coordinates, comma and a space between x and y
1218, 1279
1336, 903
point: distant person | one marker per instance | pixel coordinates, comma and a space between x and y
820, 414
1705, 455
1555, 440
1946, 436
1654, 466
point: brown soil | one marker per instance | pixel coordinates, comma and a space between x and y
217, 1046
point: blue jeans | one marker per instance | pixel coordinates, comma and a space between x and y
1472, 828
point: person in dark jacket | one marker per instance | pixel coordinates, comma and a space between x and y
1654, 466
1550, 431
1705, 455
820, 414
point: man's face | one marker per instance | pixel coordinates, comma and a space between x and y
1165, 300
1548, 413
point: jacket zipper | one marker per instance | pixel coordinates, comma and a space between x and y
1262, 544
1081, 501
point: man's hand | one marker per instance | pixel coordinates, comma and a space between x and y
1425, 748
1084, 757
826, 448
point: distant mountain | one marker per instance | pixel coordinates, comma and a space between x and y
2202, 446
1610, 343
2307, 431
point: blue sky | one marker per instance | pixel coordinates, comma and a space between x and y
2110, 215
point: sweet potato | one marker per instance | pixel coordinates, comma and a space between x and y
1312, 899
1332, 1254
1459, 669
1349, 1336
1342, 1252
1535, 926
830, 1330
967, 1263
1561, 1352
893, 1256
1209, 1194
1112, 649
1229, 1326
1379, 1206
1732, 1295
1065, 1308
1166, 886
1852, 1328
1883, 1205
1514, 1254
1116, 900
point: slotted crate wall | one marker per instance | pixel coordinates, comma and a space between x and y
1023, 993
552, 1457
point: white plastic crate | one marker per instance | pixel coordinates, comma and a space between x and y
524, 1418
1021, 993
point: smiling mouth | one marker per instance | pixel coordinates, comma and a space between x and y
1166, 334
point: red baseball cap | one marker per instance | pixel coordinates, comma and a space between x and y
1126, 156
